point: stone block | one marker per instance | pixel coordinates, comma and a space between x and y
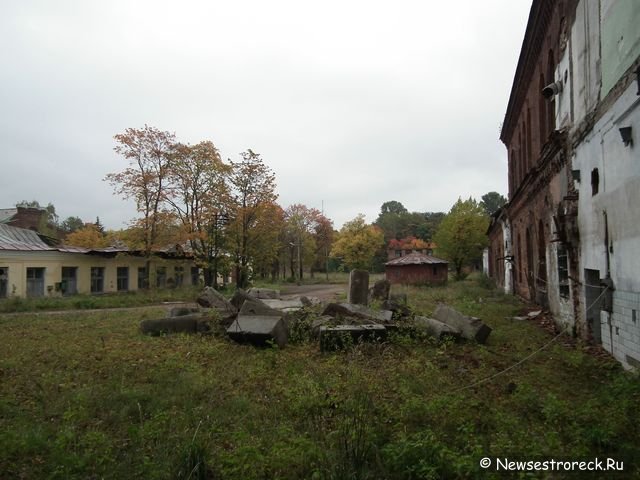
258, 307
239, 298
285, 305
182, 324
341, 336
258, 330
358, 311
358, 287
211, 298
264, 293
435, 328
471, 328
181, 311
380, 291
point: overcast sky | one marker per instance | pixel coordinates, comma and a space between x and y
353, 103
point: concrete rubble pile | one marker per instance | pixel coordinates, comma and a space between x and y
261, 317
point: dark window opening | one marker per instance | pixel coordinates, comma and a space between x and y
143, 278
69, 280
595, 181
179, 276
161, 277
195, 276
35, 282
123, 279
97, 279
4, 282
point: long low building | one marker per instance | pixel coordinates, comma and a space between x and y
30, 267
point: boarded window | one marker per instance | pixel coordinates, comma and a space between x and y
97, 279
123, 279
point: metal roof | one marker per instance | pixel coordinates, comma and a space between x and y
416, 259
21, 239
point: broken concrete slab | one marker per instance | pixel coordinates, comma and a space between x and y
264, 293
285, 305
358, 292
358, 311
211, 298
258, 307
182, 324
181, 311
435, 328
239, 298
471, 328
380, 291
258, 330
534, 314
341, 336
318, 322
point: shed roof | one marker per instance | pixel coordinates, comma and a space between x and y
416, 259
14, 238
7, 214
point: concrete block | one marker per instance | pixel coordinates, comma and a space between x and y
258, 307
380, 291
258, 330
183, 324
471, 328
285, 305
211, 298
239, 297
358, 287
341, 336
264, 293
436, 328
181, 311
357, 311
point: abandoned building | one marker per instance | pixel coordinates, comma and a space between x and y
417, 269
405, 246
569, 238
30, 267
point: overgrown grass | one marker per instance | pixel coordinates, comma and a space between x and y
107, 300
335, 278
84, 395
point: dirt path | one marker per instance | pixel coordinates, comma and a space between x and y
327, 293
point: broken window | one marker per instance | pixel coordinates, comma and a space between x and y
595, 181
143, 278
179, 276
563, 272
97, 279
123, 279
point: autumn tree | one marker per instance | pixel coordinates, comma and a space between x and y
266, 245
148, 151
301, 224
88, 236
324, 236
357, 243
198, 192
253, 186
461, 236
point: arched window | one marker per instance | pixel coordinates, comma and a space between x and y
551, 105
542, 255
542, 114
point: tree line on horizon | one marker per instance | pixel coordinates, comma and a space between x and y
226, 213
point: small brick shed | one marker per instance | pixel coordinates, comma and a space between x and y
417, 268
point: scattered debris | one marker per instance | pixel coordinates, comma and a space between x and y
534, 314
211, 298
436, 328
180, 311
342, 336
380, 291
239, 298
285, 305
358, 311
183, 324
259, 330
471, 328
264, 293
258, 307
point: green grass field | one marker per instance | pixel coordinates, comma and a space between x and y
84, 395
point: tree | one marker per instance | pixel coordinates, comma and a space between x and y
253, 186
461, 236
393, 206
301, 223
492, 201
88, 237
199, 194
148, 151
99, 226
357, 243
72, 224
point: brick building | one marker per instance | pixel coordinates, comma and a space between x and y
566, 240
417, 268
